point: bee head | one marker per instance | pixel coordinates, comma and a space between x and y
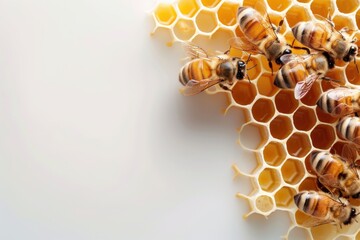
241, 67
286, 51
351, 53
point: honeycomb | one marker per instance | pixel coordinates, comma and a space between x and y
288, 129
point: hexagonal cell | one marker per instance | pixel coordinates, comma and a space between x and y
301, 217
188, 7
337, 148
227, 13
280, 127
322, 136
292, 171
308, 184
276, 19
219, 39
184, 29
266, 67
324, 117
266, 86
206, 21
321, 7
342, 21
243, 92
313, 95
269, 180
264, 203
352, 74
304, 119
210, 3
303, 1
357, 17
274, 153
325, 231
253, 136
347, 6
298, 145
279, 5
165, 13
285, 101
263, 110
299, 233
336, 74
285, 197
297, 14
255, 68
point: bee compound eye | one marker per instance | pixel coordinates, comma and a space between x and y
357, 195
346, 59
353, 212
278, 61
287, 51
353, 50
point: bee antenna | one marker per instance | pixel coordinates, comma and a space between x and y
248, 58
271, 25
251, 67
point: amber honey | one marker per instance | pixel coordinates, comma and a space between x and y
188, 7
284, 197
304, 118
263, 110
227, 13
292, 171
274, 153
323, 136
280, 127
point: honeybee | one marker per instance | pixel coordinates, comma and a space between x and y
301, 71
322, 36
324, 209
340, 101
203, 71
348, 128
333, 172
260, 36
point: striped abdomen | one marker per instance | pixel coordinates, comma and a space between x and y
349, 129
312, 34
314, 203
290, 74
325, 164
250, 22
197, 69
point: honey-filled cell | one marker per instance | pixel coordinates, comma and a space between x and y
165, 14
322, 8
188, 7
263, 110
279, 5
269, 179
227, 13
347, 6
342, 21
308, 184
206, 21
297, 14
266, 67
352, 73
285, 101
284, 197
210, 3
313, 95
265, 85
304, 119
254, 68
274, 153
323, 136
184, 29
280, 127
264, 203
357, 17
337, 77
298, 145
243, 92
292, 171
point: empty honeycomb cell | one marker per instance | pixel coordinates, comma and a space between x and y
279, 5
285, 101
342, 21
264, 203
188, 7
324, 117
263, 110
220, 39
206, 21
274, 153
352, 73
322, 136
292, 171
297, 14
313, 95
184, 29
243, 92
265, 85
308, 184
304, 119
210, 3
298, 145
280, 127
165, 14
299, 233
347, 6
322, 7
269, 179
253, 136
227, 13
254, 67
284, 197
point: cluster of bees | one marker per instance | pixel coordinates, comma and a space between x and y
337, 175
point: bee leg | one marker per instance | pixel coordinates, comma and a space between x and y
223, 86
227, 51
280, 25
297, 47
247, 76
271, 67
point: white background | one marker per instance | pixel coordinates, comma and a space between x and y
97, 143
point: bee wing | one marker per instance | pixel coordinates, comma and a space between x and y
328, 180
337, 94
303, 87
194, 87
325, 20
314, 222
244, 44
349, 153
194, 51
293, 57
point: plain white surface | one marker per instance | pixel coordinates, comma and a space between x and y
95, 140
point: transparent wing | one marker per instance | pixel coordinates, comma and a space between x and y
244, 44
194, 51
314, 222
303, 87
349, 153
329, 181
194, 86
338, 94
293, 57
